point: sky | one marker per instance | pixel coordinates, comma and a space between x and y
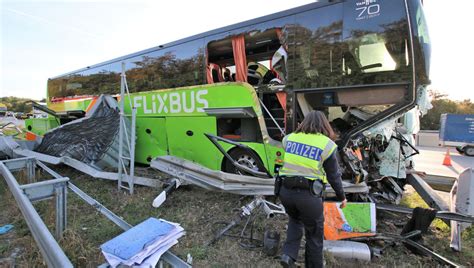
42, 39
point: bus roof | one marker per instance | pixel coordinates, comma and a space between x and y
262, 19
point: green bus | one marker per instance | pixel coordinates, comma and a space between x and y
362, 62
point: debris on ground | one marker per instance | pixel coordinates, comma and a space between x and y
199, 211
142, 245
5, 228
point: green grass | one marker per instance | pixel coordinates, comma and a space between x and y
197, 210
413, 200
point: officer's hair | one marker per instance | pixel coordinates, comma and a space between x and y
316, 122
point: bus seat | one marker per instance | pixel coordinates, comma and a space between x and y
226, 75
256, 72
216, 73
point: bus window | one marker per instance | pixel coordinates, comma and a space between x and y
260, 48
93, 81
175, 66
317, 51
375, 42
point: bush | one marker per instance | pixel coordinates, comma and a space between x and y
442, 105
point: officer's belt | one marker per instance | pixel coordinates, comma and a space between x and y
296, 182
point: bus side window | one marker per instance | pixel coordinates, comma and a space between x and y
250, 56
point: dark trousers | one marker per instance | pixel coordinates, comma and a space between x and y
306, 212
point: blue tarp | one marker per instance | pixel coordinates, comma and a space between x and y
138, 237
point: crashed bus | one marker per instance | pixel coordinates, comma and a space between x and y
224, 99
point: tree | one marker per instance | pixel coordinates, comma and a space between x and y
16, 104
442, 105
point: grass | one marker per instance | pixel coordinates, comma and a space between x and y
198, 211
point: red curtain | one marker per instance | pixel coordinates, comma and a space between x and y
282, 100
238, 45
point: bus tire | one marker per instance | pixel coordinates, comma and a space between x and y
244, 157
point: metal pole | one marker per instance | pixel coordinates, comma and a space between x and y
121, 128
271, 116
61, 209
131, 181
30, 170
99, 207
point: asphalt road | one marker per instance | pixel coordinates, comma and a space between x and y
439, 176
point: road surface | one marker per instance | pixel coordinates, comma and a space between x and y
439, 176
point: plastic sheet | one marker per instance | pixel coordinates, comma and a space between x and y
92, 140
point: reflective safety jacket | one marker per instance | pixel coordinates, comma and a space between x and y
305, 154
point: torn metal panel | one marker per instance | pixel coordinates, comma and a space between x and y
385, 129
7, 144
427, 193
13, 149
212, 179
461, 195
92, 140
191, 172
392, 162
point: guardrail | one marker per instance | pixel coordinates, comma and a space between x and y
57, 187
51, 251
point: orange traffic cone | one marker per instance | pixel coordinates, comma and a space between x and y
447, 159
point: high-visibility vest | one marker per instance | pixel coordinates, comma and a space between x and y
305, 155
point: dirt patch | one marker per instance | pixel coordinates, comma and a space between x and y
201, 213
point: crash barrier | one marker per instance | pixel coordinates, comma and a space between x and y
188, 171
24, 194
55, 188
14, 148
462, 195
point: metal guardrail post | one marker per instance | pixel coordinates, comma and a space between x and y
61, 209
121, 127
30, 170
131, 180
123, 134
51, 251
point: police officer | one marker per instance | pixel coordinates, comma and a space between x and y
309, 163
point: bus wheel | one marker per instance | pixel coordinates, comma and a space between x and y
244, 157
